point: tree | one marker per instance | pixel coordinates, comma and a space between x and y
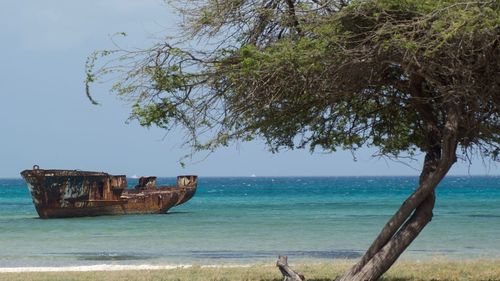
405, 76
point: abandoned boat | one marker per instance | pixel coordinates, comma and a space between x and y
74, 193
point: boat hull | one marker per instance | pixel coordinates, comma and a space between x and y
68, 193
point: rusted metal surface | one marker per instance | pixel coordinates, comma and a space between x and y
72, 193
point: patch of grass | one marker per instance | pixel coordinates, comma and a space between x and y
445, 270
403, 271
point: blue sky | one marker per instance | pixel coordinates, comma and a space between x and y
45, 118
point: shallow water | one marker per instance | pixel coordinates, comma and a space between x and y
241, 220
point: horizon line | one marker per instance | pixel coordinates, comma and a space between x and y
304, 176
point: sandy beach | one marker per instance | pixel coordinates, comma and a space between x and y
111, 267
434, 269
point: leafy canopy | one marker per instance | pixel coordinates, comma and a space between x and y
320, 73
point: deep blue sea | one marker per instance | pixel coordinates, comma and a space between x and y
242, 220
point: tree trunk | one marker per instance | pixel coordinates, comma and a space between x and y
416, 212
396, 236
386, 257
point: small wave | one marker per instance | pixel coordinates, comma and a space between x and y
109, 256
484, 216
98, 267
344, 254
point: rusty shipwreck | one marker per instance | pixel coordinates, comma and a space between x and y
74, 193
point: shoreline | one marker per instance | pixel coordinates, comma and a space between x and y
407, 270
117, 267
433, 261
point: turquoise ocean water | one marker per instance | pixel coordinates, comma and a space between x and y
242, 220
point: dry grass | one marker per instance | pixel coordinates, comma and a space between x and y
402, 271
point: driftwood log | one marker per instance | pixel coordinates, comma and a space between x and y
288, 273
